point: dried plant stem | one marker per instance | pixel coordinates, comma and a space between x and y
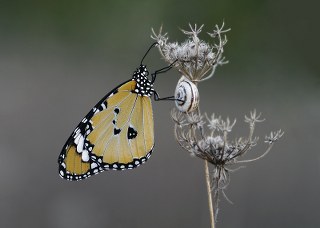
261, 156
208, 180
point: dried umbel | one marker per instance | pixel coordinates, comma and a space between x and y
194, 58
209, 140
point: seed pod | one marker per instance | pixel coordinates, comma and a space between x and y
186, 95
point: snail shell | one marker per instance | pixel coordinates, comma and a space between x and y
186, 95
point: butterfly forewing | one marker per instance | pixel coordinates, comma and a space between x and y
116, 134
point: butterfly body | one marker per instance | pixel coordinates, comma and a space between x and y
116, 134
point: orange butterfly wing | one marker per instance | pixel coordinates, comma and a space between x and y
116, 134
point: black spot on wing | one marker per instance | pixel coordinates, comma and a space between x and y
116, 131
116, 110
132, 133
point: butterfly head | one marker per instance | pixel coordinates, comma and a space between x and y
144, 86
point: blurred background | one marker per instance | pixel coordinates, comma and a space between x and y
58, 58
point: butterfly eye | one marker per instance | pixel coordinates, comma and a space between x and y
186, 95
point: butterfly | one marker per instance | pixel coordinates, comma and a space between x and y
117, 133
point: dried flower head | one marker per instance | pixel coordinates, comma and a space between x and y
213, 144
194, 58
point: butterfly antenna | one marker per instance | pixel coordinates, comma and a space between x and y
154, 44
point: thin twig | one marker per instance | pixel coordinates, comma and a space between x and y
209, 193
261, 156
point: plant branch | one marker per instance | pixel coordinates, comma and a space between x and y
209, 193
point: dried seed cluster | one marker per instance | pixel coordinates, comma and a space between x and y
194, 58
209, 140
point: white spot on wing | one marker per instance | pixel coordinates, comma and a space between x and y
85, 156
80, 144
77, 138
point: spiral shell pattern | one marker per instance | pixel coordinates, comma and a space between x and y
186, 95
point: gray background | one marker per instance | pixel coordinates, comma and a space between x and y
58, 58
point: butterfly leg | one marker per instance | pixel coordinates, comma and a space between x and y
171, 98
157, 98
162, 70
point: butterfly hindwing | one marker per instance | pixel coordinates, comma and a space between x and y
116, 134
